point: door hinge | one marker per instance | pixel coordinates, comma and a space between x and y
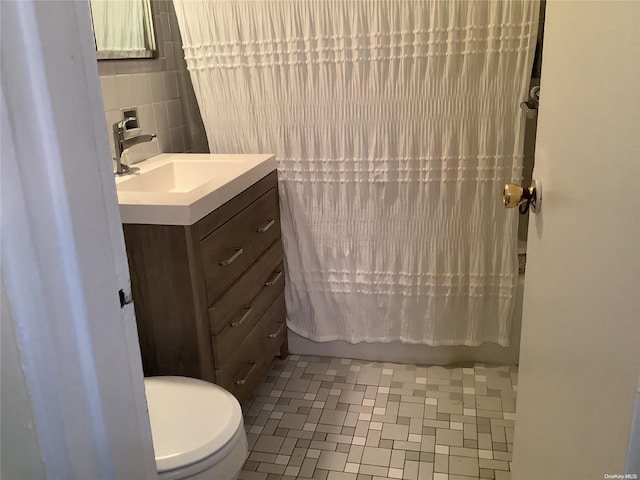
125, 298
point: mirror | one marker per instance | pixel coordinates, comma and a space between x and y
123, 29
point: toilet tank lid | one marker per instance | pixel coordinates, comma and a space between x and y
190, 419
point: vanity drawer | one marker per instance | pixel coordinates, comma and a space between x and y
232, 248
251, 290
242, 371
247, 310
273, 328
225, 342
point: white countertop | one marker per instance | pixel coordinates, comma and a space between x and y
182, 188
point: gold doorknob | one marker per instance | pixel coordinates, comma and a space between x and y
524, 198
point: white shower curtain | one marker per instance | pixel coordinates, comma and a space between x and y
396, 125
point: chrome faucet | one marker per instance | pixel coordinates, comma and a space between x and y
121, 144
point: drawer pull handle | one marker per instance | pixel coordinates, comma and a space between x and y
245, 315
232, 258
274, 335
266, 226
276, 276
244, 380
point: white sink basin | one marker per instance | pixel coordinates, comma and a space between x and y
180, 189
177, 176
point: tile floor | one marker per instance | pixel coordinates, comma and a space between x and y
340, 419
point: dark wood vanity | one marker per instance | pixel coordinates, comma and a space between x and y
209, 297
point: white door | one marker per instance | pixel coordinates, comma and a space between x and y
580, 352
73, 347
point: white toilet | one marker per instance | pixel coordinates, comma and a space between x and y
197, 429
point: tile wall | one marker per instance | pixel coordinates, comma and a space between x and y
161, 90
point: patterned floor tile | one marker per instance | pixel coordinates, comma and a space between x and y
341, 419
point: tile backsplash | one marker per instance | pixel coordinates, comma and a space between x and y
160, 89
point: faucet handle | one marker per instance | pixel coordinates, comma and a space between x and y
122, 124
